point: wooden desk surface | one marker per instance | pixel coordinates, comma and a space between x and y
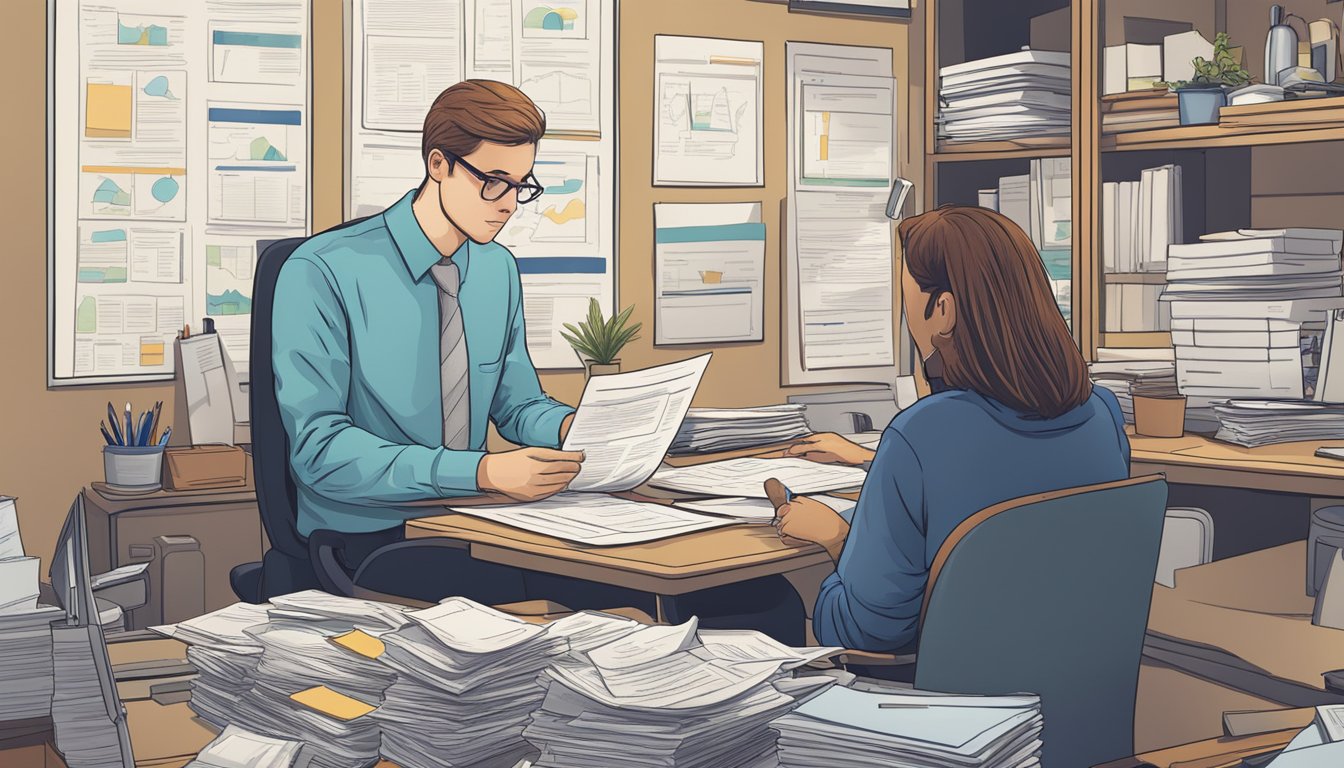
1196, 460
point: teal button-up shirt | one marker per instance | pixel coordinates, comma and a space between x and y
356, 357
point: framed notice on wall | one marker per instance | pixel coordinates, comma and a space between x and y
890, 8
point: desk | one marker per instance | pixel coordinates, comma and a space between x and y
1212, 753
1195, 460
225, 524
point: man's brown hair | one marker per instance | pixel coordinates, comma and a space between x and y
1010, 342
473, 111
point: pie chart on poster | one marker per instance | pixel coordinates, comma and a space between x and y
165, 189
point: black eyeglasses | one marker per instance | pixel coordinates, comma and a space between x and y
493, 187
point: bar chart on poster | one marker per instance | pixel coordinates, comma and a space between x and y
181, 137
561, 53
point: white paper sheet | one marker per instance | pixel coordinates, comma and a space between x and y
746, 477
18, 584
470, 627
626, 422
597, 519
709, 272
710, 122
11, 543
238, 748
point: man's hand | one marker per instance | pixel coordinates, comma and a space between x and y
528, 474
829, 448
804, 519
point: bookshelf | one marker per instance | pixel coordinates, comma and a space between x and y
1279, 166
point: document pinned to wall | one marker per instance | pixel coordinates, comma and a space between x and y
840, 319
710, 122
561, 53
709, 272
179, 136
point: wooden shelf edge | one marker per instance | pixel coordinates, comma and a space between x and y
961, 151
1214, 136
1135, 340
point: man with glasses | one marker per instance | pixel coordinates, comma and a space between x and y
398, 339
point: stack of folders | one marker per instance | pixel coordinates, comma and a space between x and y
1140, 220
1248, 312
692, 698
466, 684
1123, 374
1005, 97
225, 657
1139, 111
845, 727
86, 734
25, 627
706, 430
235, 748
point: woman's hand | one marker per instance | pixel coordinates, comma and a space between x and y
829, 448
805, 519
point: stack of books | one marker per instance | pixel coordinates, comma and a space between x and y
845, 726
466, 685
1140, 220
1041, 203
1014, 96
692, 698
1139, 111
1248, 312
1253, 423
706, 430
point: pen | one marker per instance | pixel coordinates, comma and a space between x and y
166, 432
142, 436
154, 424
129, 434
114, 422
788, 494
894, 705
102, 427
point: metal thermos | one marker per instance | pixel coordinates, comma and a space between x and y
1280, 46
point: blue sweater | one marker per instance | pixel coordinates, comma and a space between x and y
940, 461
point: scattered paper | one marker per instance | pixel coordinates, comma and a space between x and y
746, 477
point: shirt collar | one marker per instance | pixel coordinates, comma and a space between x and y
416, 250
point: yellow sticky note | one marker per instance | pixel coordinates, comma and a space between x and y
151, 353
107, 111
365, 645
332, 704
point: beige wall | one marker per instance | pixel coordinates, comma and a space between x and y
49, 444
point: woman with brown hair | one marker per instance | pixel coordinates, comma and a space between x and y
1011, 413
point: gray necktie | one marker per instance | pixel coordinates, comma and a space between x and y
452, 359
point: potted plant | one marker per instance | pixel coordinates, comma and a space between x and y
1204, 95
599, 341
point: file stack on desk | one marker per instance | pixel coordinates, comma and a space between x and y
86, 731
1122, 373
25, 627
319, 611
1248, 311
673, 697
586, 630
1005, 97
466, 684
225, 657
336, 729
706, 430
848, 727
236, 748
1253, 423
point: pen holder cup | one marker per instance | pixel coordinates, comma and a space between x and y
1159, 416
133, 467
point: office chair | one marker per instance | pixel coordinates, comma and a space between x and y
295, 562
1049, 594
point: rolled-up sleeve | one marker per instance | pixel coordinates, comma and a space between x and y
872, 600
329, 455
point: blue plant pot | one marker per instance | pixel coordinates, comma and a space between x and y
1200, 106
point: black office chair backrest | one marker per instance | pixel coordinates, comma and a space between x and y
277, 495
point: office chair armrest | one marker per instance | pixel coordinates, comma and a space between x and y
323, 549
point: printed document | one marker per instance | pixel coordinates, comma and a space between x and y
597, 519
746, 477
627, 421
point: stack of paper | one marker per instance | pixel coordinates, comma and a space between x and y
294, 659
705, 430
1253, 423
1248, 311
1140, 221
225, 657
586, 630
86, 733
25, 627
1154, 378
26, 662
237, 748
320, 611
1005, 97
466, 683
336, 729
1139, 111
671, 696
849, 727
